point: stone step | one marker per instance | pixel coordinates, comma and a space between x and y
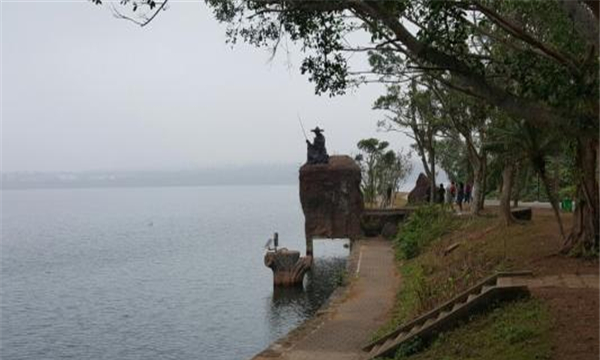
443, 314
457, 306
387, 343
423, 326
415, 329
485, 288
401, 335
429, 322
374, 351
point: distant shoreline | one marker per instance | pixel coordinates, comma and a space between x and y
148, 186
248, 175
255, 175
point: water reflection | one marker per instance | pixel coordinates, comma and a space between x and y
289, 306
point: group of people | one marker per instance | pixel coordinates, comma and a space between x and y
458, 194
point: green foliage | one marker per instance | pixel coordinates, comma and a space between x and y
409, 348
568, 192
424, 225
543, 57
531, 59
341, 277
453, 159
561, 85
320, 31
432, 278
418, 290
382, 169
415, 113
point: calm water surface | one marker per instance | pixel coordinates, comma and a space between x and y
151, 273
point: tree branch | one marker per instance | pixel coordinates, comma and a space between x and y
521, 34
538, 114
162, 6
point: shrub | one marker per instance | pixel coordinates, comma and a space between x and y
423, 226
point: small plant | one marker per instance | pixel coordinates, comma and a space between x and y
423, 226
409, 348
341, 278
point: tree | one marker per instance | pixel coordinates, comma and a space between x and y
453, 159
543, 70
516, 140
414, 113
448, 45
371, 150
584, 236
393, 168
508, 175
382, 169
469, 119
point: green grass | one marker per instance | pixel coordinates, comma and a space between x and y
341, 277
516, 331
430, 278
408, 299
425, 225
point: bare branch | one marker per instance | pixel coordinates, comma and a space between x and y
119, 15
160, 8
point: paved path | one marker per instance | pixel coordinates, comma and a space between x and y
349, 324
571, 281
532, 204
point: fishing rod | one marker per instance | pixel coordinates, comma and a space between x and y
302, 127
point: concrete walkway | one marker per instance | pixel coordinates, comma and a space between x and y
531, 204
571, 281
347, 325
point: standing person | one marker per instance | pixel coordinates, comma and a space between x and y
440, 194
460, 195
468, 191
452, 191
449, 197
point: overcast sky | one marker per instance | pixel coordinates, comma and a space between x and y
82, 90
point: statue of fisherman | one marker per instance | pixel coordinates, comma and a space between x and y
316, 152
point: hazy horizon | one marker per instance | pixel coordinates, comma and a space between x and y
249, 174
84, 91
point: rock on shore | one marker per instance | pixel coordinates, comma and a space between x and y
331, 198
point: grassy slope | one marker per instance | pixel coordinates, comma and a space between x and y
517, 331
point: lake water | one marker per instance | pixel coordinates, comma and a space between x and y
152, 273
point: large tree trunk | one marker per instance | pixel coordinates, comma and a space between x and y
584, 235
550, 191
424, 148
516, 188
507, 183
479, 174
478, 160
432, 191
521, 182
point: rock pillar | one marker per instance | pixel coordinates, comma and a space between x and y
331, 199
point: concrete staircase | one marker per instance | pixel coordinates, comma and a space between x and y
447, 315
